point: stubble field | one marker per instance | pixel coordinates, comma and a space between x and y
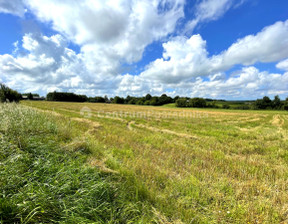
189, 165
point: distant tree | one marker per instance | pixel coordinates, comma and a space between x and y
277, 104
267, 102
65, 97
212, 104
118, 100
127, 99
106, 99
263, 104
148, 97
140, 102
147, 102
197, 102
164, 99
96, 99
176, 98
226, 106
7, 94
181, 102
285, 106
133, 100
30, 96
154, 101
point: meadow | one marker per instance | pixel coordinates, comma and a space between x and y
108, 163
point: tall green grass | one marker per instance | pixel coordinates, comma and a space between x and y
42, 181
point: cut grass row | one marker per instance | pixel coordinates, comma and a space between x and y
235, 171
47, 175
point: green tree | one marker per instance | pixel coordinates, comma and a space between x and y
277, 104
148, 97
7, 94
29, 96
263, 104
197, 102
118, 100
181, 102
285, 106
176, 98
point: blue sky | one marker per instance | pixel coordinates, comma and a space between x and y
217, 49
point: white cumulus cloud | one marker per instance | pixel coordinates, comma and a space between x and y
122, 28
283, 65
185, 58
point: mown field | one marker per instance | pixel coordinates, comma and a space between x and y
160, 164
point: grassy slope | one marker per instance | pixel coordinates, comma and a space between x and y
47, 174
195, 165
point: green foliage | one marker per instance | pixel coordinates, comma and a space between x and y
148, 97
226, 106
285, 105
97, 99
147, 100
267, 103
176, 98
66, 97
193, 102
212, 104
8, 95
118, 100
30, 96
181, 102
197, 102
276, 103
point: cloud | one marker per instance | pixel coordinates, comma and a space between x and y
185, 58
114, 32
283, 65
50, 65
269, 45
210, 10
15, 7
249, 83
122, 28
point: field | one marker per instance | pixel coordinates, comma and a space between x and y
171, 165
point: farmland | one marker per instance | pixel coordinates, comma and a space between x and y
179, 165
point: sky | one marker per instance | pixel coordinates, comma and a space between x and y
221, 49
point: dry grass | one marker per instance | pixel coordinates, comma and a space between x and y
198, 165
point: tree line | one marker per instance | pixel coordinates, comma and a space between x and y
260, 104
146, 100
7, 94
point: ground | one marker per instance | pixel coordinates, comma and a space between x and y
192, 165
